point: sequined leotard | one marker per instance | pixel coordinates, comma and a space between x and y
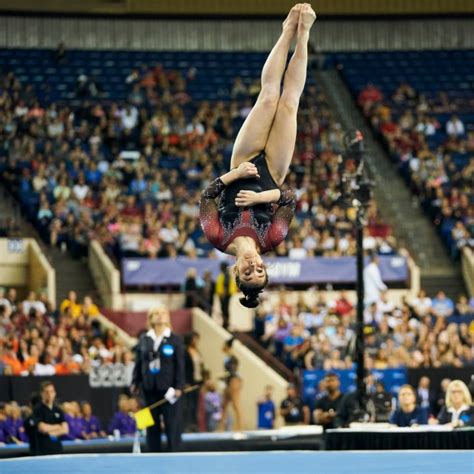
223, 221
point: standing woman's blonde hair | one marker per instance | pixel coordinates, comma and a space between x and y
162, 312
460, 385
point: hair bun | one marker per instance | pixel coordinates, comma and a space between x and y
250, 301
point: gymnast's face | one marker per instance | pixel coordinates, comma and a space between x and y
251, 269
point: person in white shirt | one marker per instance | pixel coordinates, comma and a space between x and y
33, 302
129, 117
422, 304
80, 189
373, 284
455, 127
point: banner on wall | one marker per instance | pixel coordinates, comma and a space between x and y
392, 379
281, 270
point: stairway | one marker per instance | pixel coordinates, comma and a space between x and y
399, 207
70, 274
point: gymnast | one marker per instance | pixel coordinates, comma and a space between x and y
252, 214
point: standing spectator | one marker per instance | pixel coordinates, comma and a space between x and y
325, 408
441, 395
292, 409
458, 410
159, 373
92, 425
233, 388
426, 397
60, 55
442, 306
373, 284
212, 407
193, 374
50, 422
191, 289
30, 424
408, 413
207, 292
225, 289
266, 410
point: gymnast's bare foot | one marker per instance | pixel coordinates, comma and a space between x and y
306, 20
291, 23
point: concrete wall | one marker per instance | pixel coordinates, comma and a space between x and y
468, 269
106, 277
254, 372
24, 266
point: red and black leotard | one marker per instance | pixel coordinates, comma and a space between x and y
223, 221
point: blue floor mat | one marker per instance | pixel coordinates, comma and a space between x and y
289, 462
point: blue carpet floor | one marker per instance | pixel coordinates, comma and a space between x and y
291, 462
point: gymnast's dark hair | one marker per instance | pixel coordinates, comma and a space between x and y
251, 292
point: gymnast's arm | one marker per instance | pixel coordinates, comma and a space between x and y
283, 216
208, 213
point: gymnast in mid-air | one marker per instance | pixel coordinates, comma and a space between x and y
244, 212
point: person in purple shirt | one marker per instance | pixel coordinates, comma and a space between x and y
92, 426
122, 421
3, 425
14, 430
73, 418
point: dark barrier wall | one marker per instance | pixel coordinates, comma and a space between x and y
104, 400
68, 387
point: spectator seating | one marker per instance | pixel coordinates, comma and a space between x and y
417, 93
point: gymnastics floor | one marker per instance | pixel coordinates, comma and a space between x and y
269, 462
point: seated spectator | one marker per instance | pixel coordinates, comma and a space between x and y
89, 309
92, 425
32, 302
442, 306
408, 412
455, 126
71, 304
15, 432
212, 407
3, 424
73, 418
463, 307
122, 421
458, 410
382, 402
12, 365
325, 409
422, 304
292, 409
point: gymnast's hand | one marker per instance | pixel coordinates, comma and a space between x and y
247, 198
247, 170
